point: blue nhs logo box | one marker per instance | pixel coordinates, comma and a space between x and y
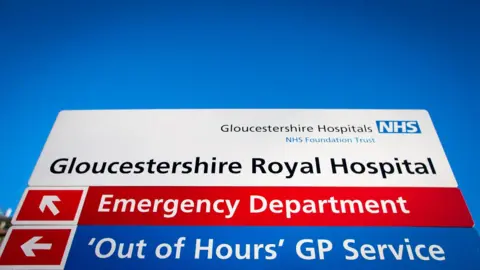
396, 126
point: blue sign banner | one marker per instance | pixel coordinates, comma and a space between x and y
165, 247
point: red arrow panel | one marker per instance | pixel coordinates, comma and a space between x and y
52, 206
32, 246
276, 206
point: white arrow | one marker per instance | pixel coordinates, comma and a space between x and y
49, 201
32, 244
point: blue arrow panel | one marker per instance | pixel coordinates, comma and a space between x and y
150, 247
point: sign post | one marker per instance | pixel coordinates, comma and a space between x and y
242, 189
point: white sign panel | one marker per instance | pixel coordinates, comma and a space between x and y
254, 147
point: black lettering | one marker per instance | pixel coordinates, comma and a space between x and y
187, 166
421, 168
373, 169
272, 169
235, 167
199, 163
126, 167
139, 167
306, 167
399, 168
407, 164
110, 167
213, 164
317, 165
357, 167
386, 168
344, 165
72, 165
150, 164
79, 170
222, 166
95, 168
163, 167
432, 167
258, 163
66, 165
60, 168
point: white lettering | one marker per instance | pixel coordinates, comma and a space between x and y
310, 253
163, 255
253, 198
113, 246
103, 203
404, 251
354, 252
435, 250
170, 208
208, 248
290, 207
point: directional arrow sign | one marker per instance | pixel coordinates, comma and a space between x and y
36, 247
32, 244
49, 202
51, 205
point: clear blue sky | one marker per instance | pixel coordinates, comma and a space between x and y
263, 54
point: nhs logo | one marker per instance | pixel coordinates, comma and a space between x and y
395, 126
